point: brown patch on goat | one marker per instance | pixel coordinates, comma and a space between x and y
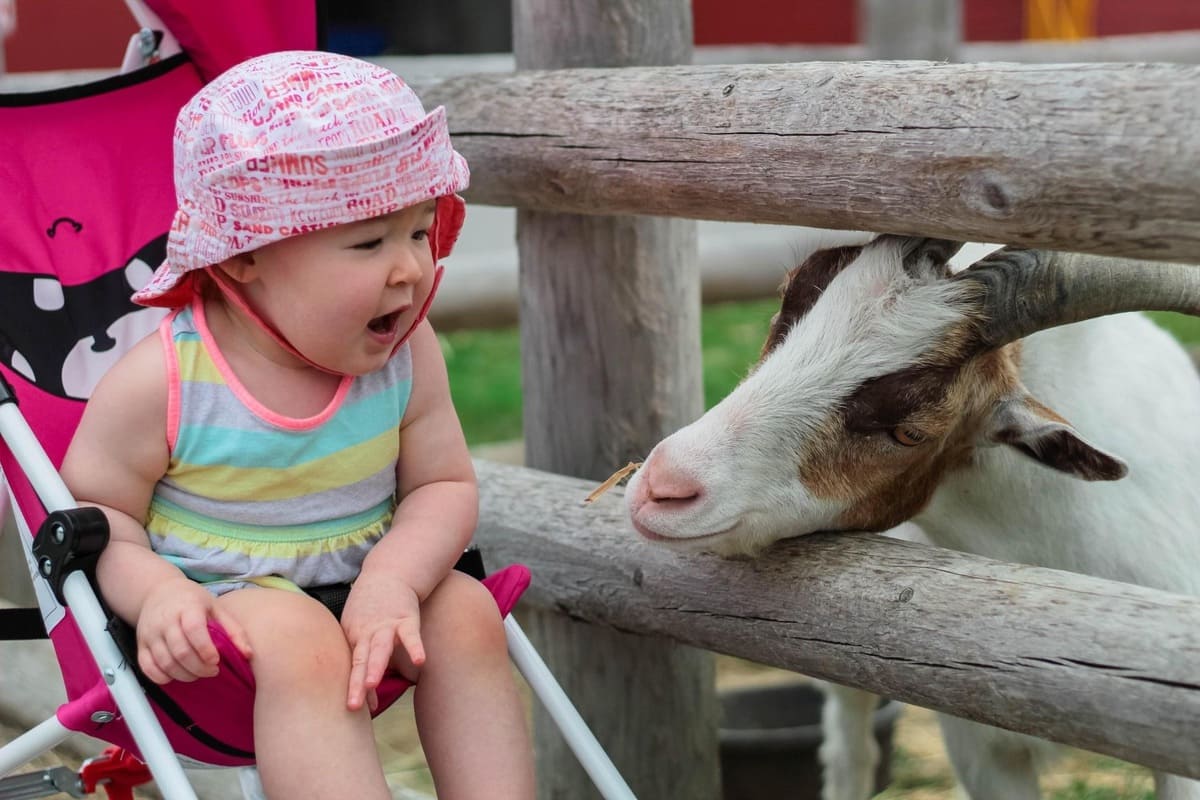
1044, 411
882, 483
803, 288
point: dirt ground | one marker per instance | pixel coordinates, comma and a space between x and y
920, 769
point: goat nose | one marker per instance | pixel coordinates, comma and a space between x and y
666, 483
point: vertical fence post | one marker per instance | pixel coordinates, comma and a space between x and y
610, 351
911, 29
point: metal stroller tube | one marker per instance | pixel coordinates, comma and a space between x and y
580, 738
122, 683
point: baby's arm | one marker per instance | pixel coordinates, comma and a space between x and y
116, 457
439, 506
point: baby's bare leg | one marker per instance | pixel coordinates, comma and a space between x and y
307, 743
469, 716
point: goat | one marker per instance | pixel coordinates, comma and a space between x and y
891, 388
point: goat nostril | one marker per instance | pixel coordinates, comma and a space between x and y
662, 483
678, 492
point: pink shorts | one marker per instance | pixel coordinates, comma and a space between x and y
212, 720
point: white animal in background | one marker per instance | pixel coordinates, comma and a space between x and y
892, 389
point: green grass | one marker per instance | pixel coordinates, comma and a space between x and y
731, 337
1184, 328
485, 382
911, 773
485, 365
1081, 790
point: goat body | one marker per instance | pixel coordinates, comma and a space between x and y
892, 390
1134, 391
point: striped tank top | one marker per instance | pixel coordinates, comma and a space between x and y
252, 496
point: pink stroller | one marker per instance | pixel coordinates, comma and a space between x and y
88, 201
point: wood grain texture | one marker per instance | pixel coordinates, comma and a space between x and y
1097, 664
610, 362
610, 359
1089, 157
901, 29
610, 343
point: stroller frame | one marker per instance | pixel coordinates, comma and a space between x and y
78, 593
92, 622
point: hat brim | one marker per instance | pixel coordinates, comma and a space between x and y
169, 288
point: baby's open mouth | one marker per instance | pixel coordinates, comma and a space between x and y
385, 323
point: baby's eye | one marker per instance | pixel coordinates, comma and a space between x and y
421, 235
368, 245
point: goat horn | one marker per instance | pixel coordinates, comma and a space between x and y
1025, 291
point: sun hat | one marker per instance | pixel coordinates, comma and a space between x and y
293, 142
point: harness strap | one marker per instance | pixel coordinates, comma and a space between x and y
22, 624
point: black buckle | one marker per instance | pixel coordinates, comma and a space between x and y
7, 395
67, 541
471, 562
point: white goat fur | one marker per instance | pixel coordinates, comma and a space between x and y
1121, 382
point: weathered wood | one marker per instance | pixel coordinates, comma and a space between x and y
1094, 158
1101, 665
599, 294
925, 29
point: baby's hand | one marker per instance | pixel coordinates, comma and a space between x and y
172, 632
378, 616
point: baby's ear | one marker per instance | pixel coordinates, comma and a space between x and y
241, 267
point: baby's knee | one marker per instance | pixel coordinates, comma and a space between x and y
462, 608
296, 640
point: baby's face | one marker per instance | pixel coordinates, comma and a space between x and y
345, 296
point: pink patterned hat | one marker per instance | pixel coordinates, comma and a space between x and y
293, 142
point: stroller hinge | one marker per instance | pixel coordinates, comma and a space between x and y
70, 540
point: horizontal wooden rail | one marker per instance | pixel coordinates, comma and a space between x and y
1095, 158
1101, 665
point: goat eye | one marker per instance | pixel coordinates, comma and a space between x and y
909, 437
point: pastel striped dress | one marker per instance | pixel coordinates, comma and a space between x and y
253, 497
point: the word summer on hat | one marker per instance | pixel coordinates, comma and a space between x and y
293, 142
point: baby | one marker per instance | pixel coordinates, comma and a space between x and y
291, 427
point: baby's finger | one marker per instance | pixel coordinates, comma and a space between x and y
372, 700
149, 668
166, 663
185, 655
379, 656
358, 673
409, 633
194, 624
234, 630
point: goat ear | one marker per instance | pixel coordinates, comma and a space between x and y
1034, 430
922, 255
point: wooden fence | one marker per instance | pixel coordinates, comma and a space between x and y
1097, 158
1093, 158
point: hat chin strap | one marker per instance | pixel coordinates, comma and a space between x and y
232, 295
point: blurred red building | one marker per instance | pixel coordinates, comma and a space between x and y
69, 34
824, 22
